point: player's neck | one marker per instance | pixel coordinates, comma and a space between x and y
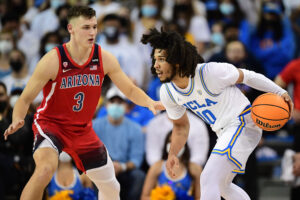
181, 82
78, 53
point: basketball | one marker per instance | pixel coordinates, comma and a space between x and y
270, 112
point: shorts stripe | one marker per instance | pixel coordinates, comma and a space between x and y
228, 149
238, 171
41, 109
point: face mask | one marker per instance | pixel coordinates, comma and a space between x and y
115, 110
149, 10
5, 46
56, 3
3, 105
182, 23
16, 65
180, 153
111, 33
49, 47
226, 8
217, 38
63, 23
64, 157
13, 99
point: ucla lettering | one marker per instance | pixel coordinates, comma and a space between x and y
80, 80
193, 105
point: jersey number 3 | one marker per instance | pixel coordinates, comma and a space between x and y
79, 104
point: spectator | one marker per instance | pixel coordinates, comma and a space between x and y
48, 42
184, 16
16, 163
19, 76
291, 75
186, 185
104, 7
149, 16
272, 43
198, 140
110, 39
67, 182
295, 20
124, 141
38, 27
236, 53
6, 45
232, 14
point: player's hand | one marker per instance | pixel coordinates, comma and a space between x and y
13, 127
296, 164
156, 105
288, 99
117, 167
172, 166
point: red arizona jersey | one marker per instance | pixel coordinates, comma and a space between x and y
71, 99
291, 74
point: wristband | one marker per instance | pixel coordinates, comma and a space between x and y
123, 166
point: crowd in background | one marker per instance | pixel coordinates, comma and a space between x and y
259, 35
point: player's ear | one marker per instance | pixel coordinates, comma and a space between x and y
70, 28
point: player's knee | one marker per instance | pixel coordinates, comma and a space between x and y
44, 172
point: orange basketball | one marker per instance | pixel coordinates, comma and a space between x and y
270, 112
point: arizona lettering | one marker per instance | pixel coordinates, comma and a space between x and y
80, 80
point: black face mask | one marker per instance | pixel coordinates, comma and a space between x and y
16, 65
3, 105
63, 23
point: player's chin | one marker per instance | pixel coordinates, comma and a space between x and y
164, 80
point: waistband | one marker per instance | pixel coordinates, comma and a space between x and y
246, 110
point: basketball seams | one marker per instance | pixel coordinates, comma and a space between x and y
269, 119
272, 105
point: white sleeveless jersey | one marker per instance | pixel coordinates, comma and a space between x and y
211, 94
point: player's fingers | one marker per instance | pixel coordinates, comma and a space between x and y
5, 135
153, 111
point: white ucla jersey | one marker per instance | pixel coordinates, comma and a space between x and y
211, 94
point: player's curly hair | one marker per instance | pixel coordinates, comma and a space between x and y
178, 51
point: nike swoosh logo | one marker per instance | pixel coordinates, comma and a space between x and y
65, 70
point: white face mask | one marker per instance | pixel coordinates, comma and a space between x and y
180, 153
5, 46
13, 99
64, 157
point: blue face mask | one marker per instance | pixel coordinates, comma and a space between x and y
149, 10
226, 8
115, 110
217, 38
56, 3
49, 47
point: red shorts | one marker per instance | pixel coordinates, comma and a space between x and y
81, 143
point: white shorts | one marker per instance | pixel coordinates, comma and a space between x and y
238, 140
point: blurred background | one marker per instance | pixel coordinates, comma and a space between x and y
259, 35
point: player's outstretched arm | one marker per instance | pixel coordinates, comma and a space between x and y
262, 83
46, 70
179, 137
120, 79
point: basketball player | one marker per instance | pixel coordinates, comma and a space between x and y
208, 89
71, 76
